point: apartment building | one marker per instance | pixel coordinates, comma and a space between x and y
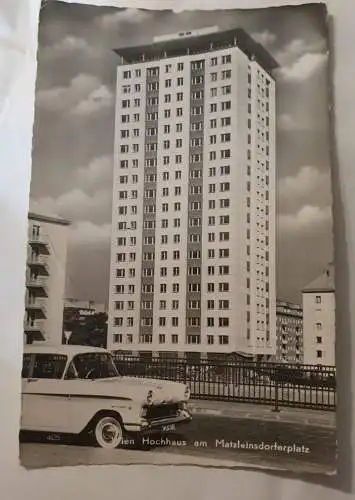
289, 331
45, 279
193, 221
319, 319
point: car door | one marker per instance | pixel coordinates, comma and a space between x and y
45, 399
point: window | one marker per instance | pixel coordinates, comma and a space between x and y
226, 89
210, 287
180, 81
210, 270
213, 123
319, 354
175, 305
223, 322
223, 339
211, 237
318, 326
210, 322
226, 74
213, 77
213, 107
223, 287
226, 105
225, 153
161, 338
223, 304
214, 61
176, 287
210, 304
211, 220
318, 299
224, 236
168, 83
224, 219
225, 137
226, 121
224, 203
179, 111
163, 288
224, 253
223, 270
162, 321
319, 340
225, 170
211, 253
224, 186
226, 59
180, 66
179, 96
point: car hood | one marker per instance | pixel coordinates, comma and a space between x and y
163, 391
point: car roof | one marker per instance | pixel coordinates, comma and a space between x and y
68, 350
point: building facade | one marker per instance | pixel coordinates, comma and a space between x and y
45, 279
193, 222
289, 328
319, 319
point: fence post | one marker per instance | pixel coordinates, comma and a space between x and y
276, 407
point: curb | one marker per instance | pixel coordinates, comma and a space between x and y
267, 417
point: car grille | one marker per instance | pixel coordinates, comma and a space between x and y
155, 412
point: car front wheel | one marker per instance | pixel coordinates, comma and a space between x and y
108, 432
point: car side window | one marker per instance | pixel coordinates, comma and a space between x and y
50, 366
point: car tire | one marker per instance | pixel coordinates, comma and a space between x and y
108, 432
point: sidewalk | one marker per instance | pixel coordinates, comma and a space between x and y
299, 416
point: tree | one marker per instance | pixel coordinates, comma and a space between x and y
91, 331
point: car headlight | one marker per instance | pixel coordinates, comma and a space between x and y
187, 393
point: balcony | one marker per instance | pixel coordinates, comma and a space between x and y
39, 241
38, 286
34, 330
36, 307
39, 264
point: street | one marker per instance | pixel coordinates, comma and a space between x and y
207, 440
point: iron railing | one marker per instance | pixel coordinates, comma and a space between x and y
298, 386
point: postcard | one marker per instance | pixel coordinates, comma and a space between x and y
180, 300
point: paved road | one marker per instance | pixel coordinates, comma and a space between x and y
212, 440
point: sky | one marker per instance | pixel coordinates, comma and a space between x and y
74, 129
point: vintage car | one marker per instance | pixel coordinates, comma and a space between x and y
78, 390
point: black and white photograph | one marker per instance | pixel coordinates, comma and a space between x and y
180, 299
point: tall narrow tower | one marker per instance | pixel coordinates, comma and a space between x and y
193, 222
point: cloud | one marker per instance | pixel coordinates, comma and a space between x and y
87, 233
66, 47
97, 173
304, 68
309, 184
98, 99
307, 220
264, 37
299, 47
76, 205
126, 16
84, 95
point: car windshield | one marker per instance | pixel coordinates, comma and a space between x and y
92, 366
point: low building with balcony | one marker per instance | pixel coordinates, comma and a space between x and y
45, 278
289, 331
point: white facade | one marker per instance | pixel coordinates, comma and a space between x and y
319, 320
45, 279
193, 226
